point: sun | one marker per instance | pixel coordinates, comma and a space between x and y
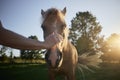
114, 41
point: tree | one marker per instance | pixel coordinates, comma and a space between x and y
3, 49
112, 48
30, 54
84, 32
3, 55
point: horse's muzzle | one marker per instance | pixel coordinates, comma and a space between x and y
57, 60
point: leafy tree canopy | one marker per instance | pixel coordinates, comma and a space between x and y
84, 32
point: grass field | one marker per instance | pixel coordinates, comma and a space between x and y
39, 72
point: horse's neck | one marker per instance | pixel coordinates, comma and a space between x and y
67, 45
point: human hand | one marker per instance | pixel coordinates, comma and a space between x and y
52, 40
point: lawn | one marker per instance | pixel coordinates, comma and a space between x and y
39, 72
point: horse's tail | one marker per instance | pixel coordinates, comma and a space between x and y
86, 60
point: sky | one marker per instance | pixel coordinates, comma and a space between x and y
24, 16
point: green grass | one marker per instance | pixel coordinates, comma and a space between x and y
23, 72
106, 72
39, 72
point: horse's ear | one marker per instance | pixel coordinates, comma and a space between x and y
64, 11
42, 12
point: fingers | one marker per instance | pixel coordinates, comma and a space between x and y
53, 39
57, 37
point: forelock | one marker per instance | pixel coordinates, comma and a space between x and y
51, 11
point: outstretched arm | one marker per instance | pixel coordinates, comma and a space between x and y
14, 40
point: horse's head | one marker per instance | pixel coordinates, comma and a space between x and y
53, 21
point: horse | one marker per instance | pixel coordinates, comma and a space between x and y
62, 58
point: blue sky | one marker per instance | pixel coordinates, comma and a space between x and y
24, 16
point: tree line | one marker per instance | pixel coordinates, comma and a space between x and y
85, 35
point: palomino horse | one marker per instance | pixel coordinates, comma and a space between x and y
63, 57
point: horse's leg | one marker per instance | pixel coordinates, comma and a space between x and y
51, 75
71, 75
65, 78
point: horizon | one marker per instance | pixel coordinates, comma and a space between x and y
24, 16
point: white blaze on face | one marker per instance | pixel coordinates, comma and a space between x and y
55, 30
53, 54
54, 26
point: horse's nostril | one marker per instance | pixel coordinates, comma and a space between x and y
59, 54
46, 58
53, 59
49, 62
